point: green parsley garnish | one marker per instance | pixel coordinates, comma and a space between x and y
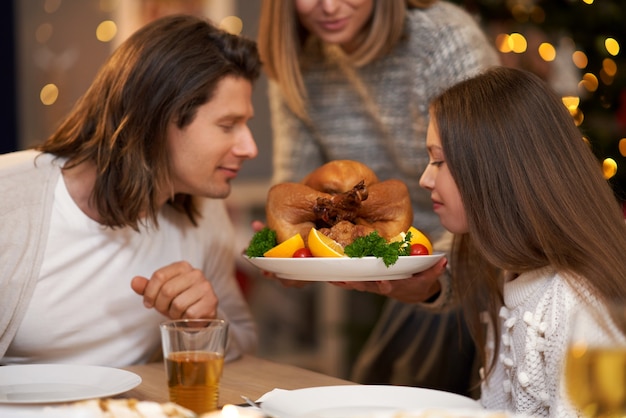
375, 245
261, 242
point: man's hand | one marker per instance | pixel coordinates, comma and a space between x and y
418, 288
177, 291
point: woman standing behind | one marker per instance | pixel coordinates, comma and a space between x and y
539, 234
352, 79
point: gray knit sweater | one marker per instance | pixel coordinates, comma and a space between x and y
443, 45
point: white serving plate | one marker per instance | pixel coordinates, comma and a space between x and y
344, 269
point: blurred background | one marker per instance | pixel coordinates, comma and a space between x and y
53, 48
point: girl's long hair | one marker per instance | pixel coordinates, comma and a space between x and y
162, 73
281, 40
533, 191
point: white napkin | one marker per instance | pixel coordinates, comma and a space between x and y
270, 393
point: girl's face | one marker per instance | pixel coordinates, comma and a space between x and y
444, 192
335, 21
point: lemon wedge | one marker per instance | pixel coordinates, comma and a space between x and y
323, 246
417, 237
286, 248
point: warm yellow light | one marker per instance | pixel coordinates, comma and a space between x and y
106, 31
571, 102
622, 147
49, 94
578, 116
609, 168
232, 24
580, 59
609, 66
612, 46
502, 43
590, 82
588, 1
518, 43
547, 51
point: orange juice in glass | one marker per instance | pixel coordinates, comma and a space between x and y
193, 351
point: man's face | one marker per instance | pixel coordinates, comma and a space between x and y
208, 153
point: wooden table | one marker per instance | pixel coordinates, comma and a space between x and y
249, 376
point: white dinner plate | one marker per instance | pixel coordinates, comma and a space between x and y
358, 401
49, 383
344, 269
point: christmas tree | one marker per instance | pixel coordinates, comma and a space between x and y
575, 45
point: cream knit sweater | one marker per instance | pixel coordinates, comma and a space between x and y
528, 377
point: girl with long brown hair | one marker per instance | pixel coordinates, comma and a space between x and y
539, 233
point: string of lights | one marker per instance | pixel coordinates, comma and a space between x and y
577, 46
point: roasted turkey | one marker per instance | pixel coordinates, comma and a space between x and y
343, 199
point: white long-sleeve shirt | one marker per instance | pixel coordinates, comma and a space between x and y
65, 279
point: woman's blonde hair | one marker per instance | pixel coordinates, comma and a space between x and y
281, 40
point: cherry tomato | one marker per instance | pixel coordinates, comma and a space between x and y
418, 249
302, 253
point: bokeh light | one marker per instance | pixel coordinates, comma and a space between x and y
49, 94
609, 168
43, 33
571, 102
609, 66
589, 82
547, 51
612, 46
232, 24
518, 43
622, 147
515, 42
580, 59
106, 31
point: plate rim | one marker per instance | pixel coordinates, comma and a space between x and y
55, 370
470, 403
391, 273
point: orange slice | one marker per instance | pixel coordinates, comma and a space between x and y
417, 237
323, 246
286, 248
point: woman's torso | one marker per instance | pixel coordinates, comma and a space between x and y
441, 48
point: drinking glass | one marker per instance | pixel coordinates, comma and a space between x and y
193, 351
595, 367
